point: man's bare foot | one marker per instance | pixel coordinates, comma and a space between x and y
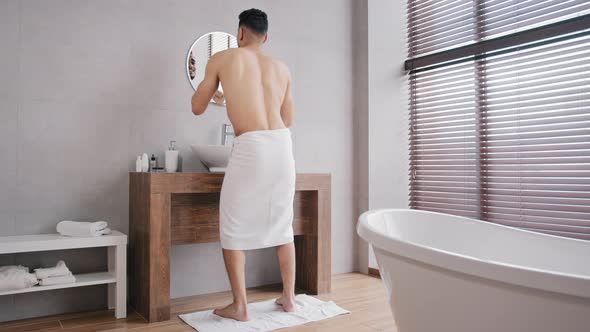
288, 303
233, 311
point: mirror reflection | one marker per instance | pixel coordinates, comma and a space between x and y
200, 52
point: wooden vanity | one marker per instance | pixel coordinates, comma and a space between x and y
167, 209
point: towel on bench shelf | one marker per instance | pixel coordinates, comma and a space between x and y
16, 277
68, 279
82, 228
14, 267
59, 270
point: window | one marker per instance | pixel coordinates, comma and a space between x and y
500, 111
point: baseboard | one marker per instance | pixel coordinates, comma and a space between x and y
374, 272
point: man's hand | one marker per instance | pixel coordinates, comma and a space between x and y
219, 98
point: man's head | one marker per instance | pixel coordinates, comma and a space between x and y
192, 66
253, 27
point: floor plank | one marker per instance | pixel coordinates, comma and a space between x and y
363, 295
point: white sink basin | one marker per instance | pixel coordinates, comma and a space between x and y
214, 157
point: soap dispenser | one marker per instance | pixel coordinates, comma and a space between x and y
171, 158
145, 163
138, 167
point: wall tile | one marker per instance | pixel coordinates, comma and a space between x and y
8, 152
76, 51
7, 220
60, 300
9, 39
327, 23
70, 156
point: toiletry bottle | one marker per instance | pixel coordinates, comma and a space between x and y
145, 163
153, 163
171, 158
138, 164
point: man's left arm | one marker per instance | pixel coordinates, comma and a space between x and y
207, 87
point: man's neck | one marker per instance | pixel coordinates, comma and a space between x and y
253, 46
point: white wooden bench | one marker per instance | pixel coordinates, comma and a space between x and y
115, 277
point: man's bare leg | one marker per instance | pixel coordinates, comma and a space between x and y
235, 264
286, 254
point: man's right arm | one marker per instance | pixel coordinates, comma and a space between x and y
207, 88
287, 108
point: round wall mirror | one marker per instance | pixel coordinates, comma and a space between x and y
200, 52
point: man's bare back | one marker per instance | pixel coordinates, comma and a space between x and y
256, 87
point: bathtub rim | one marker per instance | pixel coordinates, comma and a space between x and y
554, 281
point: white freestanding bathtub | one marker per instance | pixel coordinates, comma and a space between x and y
452, 274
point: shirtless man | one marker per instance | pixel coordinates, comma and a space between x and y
257, 94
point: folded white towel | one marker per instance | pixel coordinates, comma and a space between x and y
59, 270
81, 228
16, 278
57, 280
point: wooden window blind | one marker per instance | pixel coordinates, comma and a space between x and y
500, 111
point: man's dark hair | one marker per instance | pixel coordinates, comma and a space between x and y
255, 20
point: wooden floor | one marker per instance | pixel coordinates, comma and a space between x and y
363, 295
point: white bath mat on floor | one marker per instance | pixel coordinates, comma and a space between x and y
266, 316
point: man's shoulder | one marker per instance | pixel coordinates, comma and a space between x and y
279, 62
230, 54
223, 54
281, 65
221, 58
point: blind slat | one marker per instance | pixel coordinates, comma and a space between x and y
504, 136
439, 25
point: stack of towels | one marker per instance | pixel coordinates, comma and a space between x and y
83, 228
14, 277
60, 274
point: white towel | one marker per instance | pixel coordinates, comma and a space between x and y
266, 316
81, 228
14, 277
14, 267
256, 199
59, 270
57, 280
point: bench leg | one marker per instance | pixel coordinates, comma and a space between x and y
117, 298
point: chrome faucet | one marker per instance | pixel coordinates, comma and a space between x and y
226, 130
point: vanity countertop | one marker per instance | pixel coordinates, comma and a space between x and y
190, 182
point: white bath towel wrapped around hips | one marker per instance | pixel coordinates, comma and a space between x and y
16, 277
59, 270
82, 228
256, 202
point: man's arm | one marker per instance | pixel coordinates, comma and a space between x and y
287, 108
207, 87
